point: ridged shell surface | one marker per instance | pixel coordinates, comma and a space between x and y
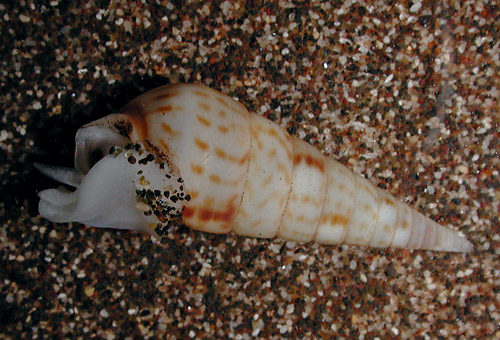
207, 137
243, 173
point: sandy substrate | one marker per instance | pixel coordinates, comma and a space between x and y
404, 93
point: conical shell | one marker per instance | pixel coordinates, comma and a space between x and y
245, 174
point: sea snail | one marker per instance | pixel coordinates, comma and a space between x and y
187, 150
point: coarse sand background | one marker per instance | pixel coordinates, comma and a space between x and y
405, 93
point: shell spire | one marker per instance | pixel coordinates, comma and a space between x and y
245, 174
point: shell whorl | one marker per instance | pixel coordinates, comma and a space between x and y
245, 174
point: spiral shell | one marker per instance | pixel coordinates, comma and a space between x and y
229, 171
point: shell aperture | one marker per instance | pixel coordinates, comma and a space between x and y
116, 191
230, 170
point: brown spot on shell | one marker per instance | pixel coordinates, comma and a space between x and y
364, 227
339, 219
198, 169
214, 178
188, 212
223, 102
284, 143
389, 202
283, 169
220, 153
201, 144
262, 204
315, 162
387, 229
232, 158
204, 107
358, 240
245, 158
364, 186
165, 95
267, 180
223, 129
232, 105
207, 214
169, 130
222, 113
164, 109
201, 94
138, 118
204, 121
242, 213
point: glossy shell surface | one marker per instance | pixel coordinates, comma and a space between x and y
245, 174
